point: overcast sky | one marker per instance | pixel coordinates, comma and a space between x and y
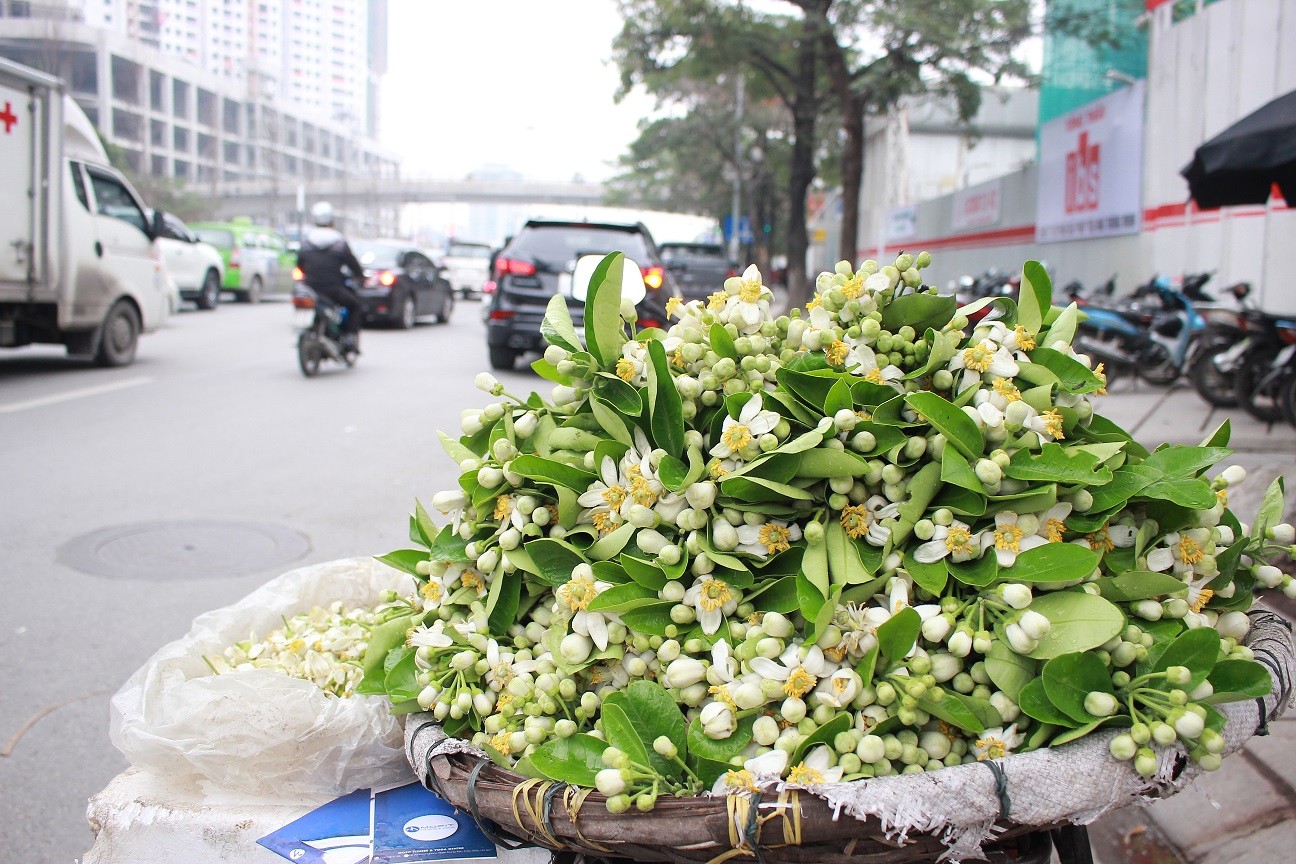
525, 83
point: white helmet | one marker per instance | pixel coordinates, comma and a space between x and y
322, 214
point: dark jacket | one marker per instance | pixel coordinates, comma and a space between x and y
323, 255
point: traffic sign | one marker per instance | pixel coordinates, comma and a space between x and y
744, 229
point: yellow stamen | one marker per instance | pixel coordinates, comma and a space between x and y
1102, 378
854, 287
750, 291
1100, 541
503, 507
1222, 496
948, 731
979, 357
672, 306
717, 470
1189, 551
431, 592
714, 595
296, 646
1053, 424
836, 353
874, 376
1005, 388
717, 301
615, 496
991, 748
774, 537
577, 593
1025, 341
641, 492
1008, 538
742, 781
677, 359
855, 521
503, 702
500, 743
840, 685
864, 415
837, 653
816, 302
805, 775
625, 370
959, 540
1054, 529
1203, 597
472, 579
736, 437
799, 683
721, 693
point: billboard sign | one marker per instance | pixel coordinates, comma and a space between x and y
976, 207
1091, 169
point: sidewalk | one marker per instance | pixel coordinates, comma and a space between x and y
1246, 811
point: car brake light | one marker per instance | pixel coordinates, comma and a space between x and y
731, 273
387, 278
298, 275
1288, 335
303, 301
234, 259
513, 267
501, 314
647, 323
653, 276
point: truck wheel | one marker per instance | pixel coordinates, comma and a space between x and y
210, 294
501, 357
118, 335
253, 293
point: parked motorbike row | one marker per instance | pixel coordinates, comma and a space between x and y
1170, 328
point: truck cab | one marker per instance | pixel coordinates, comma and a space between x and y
78, 262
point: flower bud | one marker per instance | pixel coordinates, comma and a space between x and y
936, 628
665, 747
1145, 762
1268, 575
1019, 640
765, 730
1016, 595
1189, 726
1232, 475
451, 499
684, 672
718, 721
1100, 704
1233, 625
1035, 625
960, 644
776, 625
575, 648
1123, 747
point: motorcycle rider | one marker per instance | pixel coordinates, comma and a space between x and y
323, 255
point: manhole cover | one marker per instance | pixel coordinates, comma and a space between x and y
166, 551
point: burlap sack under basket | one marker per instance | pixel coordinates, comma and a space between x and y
950, 813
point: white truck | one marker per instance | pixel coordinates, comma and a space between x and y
78, 265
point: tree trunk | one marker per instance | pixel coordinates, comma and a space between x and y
851, 105
805, 109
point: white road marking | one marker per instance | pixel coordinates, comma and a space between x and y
69, 395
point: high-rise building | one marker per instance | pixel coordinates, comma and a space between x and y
218, 92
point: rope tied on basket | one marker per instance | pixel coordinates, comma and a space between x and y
483, 823
1001, 787
745, 824
573, 799
537, 812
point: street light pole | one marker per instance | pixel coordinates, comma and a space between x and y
737, 181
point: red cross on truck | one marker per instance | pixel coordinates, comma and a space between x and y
8, 118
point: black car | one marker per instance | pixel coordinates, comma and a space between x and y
538, 263
401, 283
700, 269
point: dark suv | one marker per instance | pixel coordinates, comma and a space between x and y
700, 269
538, 263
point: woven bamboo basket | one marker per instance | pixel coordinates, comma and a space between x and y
1012, 809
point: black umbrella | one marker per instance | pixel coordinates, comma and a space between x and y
1241, 164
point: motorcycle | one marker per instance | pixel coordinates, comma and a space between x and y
1262, 364
323, 339
1225, 328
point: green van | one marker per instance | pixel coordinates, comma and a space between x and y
257, 260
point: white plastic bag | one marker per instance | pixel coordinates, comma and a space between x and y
259, 732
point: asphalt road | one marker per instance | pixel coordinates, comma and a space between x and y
212, 424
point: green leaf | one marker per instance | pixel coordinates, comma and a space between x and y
549, 372
824, 462
978, 573
1271, 509
653, 713
1234, 680
825, 734
382, 639
604, 335
919, 311
405, 560
957, 427
666, 417
651, 619
454, 449
844, 564
555, 559
1035, 297
750, 489
1077, 733
502, 604
1063, 327
623, 598
622, 734
839, 398
1197, 649
1190, 492
548, 471
1069, 678
1180, 462
722, 343
776, 596
957, 471
1035, 703
1052, 562
644, 572
951, 709
1009, 670
930, 577
557, 327
1126, 482
673, 473
1220, 437
899, 633
1079, 622
1072, 375
611, 544
618, 394
1055, 464
575, 759
1138, 585
400, 678
719, 751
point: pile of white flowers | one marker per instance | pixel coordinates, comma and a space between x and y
887, 535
